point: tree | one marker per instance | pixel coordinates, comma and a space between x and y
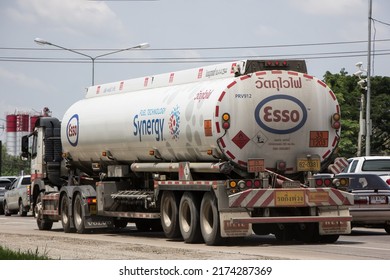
11, 165
348, 93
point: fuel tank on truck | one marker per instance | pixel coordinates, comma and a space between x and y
205, 114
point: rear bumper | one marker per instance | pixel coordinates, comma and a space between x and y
370, 215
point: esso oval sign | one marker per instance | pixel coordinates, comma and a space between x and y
280, 114
72, 130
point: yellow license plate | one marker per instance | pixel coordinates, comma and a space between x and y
305, 164
290, 198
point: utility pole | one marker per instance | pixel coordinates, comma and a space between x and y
368, 97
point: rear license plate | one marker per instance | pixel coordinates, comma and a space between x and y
290, 198
305, 164
378, 199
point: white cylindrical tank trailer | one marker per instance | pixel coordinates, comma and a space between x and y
205, 115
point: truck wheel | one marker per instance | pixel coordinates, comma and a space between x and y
307, 232
65, 218
41, 222
170, 214
6, 209
21, 212
78, 215
189, 218
329, 238
209, 220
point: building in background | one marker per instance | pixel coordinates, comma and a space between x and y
18, 125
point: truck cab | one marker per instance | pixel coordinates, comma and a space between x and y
43, 147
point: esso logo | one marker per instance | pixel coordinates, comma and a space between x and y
72, 130
280, 114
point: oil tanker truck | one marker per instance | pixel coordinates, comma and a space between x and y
204, 154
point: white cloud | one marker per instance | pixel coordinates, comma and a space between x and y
21, 79
70, 16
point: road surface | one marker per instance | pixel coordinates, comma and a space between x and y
21, 233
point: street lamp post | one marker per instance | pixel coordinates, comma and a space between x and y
92, 58
363, 84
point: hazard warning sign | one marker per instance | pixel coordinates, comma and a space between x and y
319, 138
240, 139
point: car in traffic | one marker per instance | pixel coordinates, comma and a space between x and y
379, 165
11, 178
17, 197
4, 185
369, 182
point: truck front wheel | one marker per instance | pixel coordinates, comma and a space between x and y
78, 214
170, 214
209, 220
189, 218
43, 224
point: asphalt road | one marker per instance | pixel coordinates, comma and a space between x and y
21, 233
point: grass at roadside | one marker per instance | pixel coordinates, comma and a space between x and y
7, 254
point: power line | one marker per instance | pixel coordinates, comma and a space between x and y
382, 22
207, 48
194, 59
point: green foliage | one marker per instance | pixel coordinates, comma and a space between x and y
7, 254
12, 166
348, 93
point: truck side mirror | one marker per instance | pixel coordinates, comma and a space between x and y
25, 153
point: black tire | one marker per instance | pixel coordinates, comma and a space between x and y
209, 220
284, 233
43, 224
387, 228
329, 238
307, 232
65, 218
189, 209
6, 209
21, 212
170, 214
78, 215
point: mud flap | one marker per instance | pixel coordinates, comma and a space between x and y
334, 227
230, 229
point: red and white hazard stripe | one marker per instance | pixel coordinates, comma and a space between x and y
260, 198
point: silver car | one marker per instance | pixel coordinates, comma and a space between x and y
17, 197
4, 185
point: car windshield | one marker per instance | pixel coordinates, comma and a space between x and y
376, 165
4, 183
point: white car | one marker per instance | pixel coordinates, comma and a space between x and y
379, 165
370, 184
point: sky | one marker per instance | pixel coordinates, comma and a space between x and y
331, 35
